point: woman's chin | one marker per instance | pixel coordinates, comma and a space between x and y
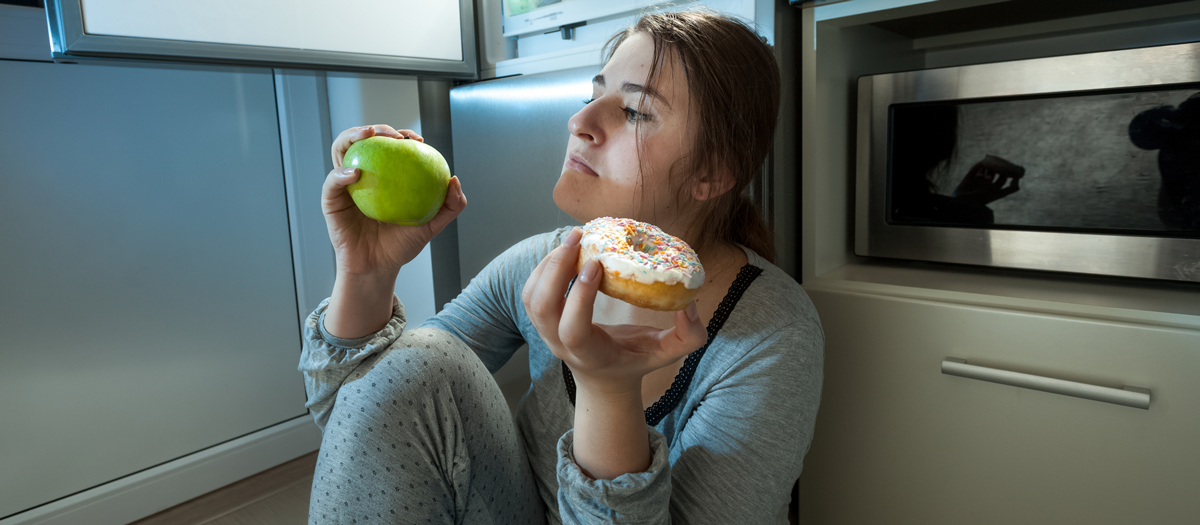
567, 201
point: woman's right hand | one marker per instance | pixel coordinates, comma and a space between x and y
363, 246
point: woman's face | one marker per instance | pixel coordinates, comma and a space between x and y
600, 175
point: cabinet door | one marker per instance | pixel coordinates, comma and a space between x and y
430, 38
148, 305
898, 442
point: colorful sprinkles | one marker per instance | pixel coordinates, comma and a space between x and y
644, 244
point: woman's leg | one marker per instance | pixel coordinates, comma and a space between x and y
423, 435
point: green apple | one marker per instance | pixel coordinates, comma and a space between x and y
401, 181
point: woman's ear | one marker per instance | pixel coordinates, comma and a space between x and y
710, 187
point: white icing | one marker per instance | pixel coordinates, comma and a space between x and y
643, 274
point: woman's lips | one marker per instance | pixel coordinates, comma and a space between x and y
575, 162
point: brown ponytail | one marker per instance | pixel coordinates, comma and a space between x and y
732, 77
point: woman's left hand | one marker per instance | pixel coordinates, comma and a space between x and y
602, 356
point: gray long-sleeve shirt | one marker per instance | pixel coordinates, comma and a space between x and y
727, 452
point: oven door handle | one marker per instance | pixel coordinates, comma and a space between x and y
1129, 396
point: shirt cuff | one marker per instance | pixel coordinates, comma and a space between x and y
635, 497
397, 314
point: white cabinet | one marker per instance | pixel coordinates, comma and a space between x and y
896, 440
149, 297
153, 248
899, 442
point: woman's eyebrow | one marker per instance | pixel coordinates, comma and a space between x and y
630, 87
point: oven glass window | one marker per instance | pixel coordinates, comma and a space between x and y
1124, 163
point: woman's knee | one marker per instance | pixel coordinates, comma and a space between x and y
390, 444
427, 413
412, 401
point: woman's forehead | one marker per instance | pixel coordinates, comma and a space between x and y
630, 64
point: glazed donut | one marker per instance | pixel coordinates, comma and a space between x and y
643, 265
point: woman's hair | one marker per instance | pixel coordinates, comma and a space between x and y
733, 80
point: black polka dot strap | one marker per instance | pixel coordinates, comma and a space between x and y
683, 379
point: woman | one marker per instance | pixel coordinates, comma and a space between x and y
699, 416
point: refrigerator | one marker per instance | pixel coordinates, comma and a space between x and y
509, 139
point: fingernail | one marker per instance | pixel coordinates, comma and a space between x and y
590, 270
348, 172
692, 313
573, 237
364, 128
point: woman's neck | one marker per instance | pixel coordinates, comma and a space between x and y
720, 260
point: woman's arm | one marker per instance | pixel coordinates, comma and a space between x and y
327, 360
370, 253
481, 316
362, 316
607, 362
359, 305
738, 453
610, 431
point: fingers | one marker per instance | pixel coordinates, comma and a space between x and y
531, 282
987, 175
545, 303
976, 170
1011, 189
410, 134
559, 268
334, 197
454, 204
575, 327
687, 336
352, 135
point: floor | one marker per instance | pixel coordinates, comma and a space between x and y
273, 497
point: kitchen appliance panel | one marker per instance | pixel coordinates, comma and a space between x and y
510, 141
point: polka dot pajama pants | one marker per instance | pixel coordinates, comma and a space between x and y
423, 435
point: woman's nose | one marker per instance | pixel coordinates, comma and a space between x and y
585, 124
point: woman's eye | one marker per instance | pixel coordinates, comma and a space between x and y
632, 115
